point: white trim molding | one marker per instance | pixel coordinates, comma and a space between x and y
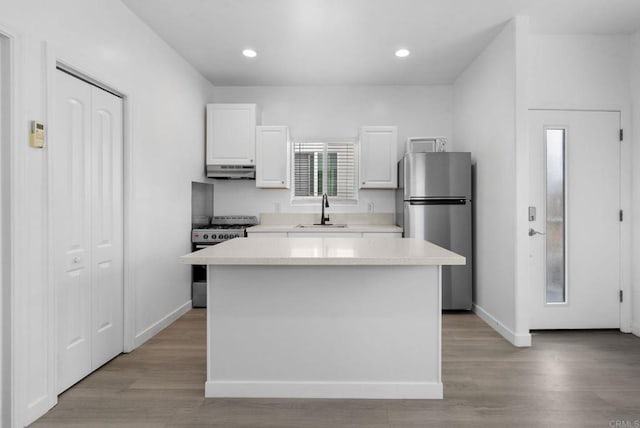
368, 390
521, 340
635, 328
160, 325
7, 129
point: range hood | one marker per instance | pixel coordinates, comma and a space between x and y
232, 171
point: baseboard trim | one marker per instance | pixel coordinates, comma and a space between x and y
368, 390
160, 325
635, 328
519, 340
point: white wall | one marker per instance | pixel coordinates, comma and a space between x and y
166, 99
590, 72
485, 123
635, 138
585, 72
333, 112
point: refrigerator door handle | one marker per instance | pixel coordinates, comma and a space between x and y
438, 201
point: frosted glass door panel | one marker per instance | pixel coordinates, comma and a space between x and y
555, 242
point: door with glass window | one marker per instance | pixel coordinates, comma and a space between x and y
574, 219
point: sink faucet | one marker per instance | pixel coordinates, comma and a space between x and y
325, 203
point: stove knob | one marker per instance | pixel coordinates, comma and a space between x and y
220, 236
205, 236
226, 236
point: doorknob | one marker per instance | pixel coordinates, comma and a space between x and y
533, 232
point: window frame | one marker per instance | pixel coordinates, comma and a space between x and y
314, 200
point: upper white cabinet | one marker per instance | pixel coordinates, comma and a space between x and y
378, 157
231, 134
273, 162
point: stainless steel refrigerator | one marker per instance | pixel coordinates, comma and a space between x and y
433, 202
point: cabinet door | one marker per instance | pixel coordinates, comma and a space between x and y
231, 138
378, 157
266, 234
272, 157
382, 235
324, 235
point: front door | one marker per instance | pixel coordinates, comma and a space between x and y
574, 219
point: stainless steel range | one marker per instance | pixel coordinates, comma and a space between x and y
222, 228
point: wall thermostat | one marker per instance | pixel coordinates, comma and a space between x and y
37, 135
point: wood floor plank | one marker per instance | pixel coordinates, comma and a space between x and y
568, 378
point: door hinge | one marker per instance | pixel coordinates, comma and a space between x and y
621, 296
621, 215
621, 134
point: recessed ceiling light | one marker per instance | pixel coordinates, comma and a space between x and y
249, 53
402, 53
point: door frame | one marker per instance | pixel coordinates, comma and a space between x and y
8, 125
625, 199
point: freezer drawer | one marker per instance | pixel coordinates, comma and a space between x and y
447, 225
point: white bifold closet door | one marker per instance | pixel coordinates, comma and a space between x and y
87, 183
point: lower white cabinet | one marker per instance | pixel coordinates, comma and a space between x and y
273, 163
324, 235
382, 234
315, 234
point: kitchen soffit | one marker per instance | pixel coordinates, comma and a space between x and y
352, 42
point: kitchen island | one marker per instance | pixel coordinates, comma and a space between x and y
324, 317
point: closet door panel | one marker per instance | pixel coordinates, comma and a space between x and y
70, 153
107, 233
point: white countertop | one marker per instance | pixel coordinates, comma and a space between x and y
324, 251
293, 228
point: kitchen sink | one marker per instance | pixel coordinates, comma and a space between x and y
322, 226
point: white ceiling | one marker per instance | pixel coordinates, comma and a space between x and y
351, 42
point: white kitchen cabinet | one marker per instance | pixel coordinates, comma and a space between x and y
273, 163
382, 234
324, 234
231, 134
266, 234
378, 157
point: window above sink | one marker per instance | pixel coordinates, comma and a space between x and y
325, 166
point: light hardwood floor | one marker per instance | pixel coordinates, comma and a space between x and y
581, 379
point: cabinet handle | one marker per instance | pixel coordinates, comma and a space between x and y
282, 182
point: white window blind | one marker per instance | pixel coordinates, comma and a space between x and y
325, 167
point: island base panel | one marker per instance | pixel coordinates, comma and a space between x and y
324, 331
